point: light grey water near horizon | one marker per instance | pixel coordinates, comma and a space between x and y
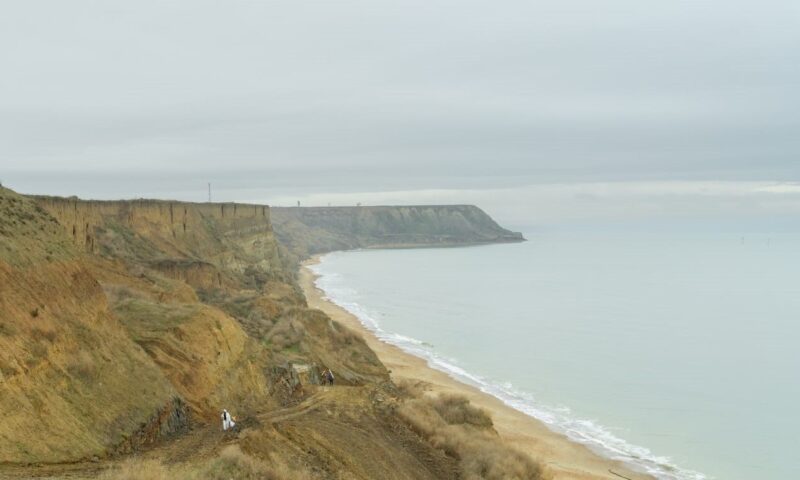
675, 353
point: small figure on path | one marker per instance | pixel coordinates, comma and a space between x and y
329, 376
227, 420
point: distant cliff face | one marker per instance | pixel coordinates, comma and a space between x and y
312, 230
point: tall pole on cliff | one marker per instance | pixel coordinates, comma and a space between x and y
209, 192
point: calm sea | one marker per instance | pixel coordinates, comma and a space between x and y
676, 354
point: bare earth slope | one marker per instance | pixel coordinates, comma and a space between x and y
65, 361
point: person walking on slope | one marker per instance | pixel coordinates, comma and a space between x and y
329, 376
227, 420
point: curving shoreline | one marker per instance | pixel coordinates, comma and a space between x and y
563, 457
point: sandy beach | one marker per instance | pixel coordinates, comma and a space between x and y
564, 458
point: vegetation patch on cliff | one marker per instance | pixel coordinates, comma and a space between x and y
464, 432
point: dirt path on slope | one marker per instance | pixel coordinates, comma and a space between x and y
200, 443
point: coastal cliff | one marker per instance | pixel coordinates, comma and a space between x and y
196, 301
126, 326
312, 230
65, 360
159, 230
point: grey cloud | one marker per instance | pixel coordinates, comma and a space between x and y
108, 99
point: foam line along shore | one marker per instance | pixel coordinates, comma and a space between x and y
567, 459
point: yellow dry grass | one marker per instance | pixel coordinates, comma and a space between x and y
450, 423
231, 463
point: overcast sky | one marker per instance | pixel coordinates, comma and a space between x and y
543, 112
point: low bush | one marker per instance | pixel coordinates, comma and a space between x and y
464, 432
456, 410
411, 388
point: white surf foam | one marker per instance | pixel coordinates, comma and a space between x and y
559, 419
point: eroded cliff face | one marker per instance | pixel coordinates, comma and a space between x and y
129, 324
65, 362
229, 256
313, 230
228, 235
125, 321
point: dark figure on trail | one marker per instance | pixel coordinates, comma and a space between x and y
329, 376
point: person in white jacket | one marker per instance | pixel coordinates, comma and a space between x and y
227, 420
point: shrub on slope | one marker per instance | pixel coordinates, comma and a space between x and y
450, 423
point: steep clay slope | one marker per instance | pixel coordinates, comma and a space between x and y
106, 345
228, 255
311, 230
184, 240
63, 354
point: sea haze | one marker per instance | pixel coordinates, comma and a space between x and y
677, 354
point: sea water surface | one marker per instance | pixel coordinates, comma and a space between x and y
676, 354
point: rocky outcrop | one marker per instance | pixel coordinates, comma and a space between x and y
313, 230
171, 420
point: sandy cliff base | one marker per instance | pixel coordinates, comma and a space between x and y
564, 458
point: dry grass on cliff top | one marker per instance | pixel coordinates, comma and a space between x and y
28, 234
465, 432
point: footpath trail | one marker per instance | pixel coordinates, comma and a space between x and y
200, 443
320, 397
